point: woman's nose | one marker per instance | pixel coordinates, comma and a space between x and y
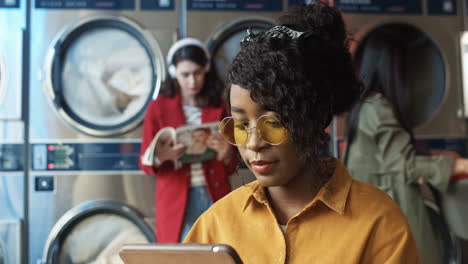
191, 79
255, 141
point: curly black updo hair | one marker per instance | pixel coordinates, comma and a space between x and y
305, 80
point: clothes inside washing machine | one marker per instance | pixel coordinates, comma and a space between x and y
98, 239
94, 232
107, 76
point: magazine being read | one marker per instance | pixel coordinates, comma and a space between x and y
194, 138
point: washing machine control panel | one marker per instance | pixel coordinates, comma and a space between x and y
380, 6
157, 5
235, 5
86, 4
9, 3
458, 145
85, 156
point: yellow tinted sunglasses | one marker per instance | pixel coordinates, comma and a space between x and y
236, 132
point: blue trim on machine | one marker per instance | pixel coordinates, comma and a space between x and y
118, 156
236, 5
86, 4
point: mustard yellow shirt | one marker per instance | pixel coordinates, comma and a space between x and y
347, 222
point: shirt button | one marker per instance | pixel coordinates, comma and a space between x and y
211, 171
216, 184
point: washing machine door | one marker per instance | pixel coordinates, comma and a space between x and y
101, 74
425, 69
94, 232
224, 44
11, 51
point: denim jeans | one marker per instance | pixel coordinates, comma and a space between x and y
198, 202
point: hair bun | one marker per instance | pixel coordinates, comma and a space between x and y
320, 18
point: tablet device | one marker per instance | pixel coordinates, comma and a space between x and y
179, 254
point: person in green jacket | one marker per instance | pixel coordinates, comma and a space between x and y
381, 148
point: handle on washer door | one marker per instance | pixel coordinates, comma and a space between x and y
24, 71
56, 76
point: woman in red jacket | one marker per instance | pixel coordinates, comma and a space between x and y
191, 95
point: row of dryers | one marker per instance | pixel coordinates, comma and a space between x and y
86, 70
12, 132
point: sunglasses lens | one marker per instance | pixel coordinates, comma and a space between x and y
273, 132
233, 131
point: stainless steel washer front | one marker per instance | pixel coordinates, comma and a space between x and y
101, 73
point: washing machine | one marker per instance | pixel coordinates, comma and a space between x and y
12, 137
94, 67
434, 66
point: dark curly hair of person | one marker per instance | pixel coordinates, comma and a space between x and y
319, 17
305, 80
212, 91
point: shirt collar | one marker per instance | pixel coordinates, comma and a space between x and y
333, 194
255, 192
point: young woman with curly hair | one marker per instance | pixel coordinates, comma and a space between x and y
287, 83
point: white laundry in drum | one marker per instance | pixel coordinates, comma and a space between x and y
107, 76
98, 240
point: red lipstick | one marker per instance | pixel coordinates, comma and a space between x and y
262, 166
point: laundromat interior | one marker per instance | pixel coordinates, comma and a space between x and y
71, 190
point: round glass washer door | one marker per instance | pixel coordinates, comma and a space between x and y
225, 43
424, 70
94, 232
102, 74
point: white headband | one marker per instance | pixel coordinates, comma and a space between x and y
183, 43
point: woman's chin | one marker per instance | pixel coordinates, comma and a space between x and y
267, 180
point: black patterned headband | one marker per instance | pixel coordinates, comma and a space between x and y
278, 32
